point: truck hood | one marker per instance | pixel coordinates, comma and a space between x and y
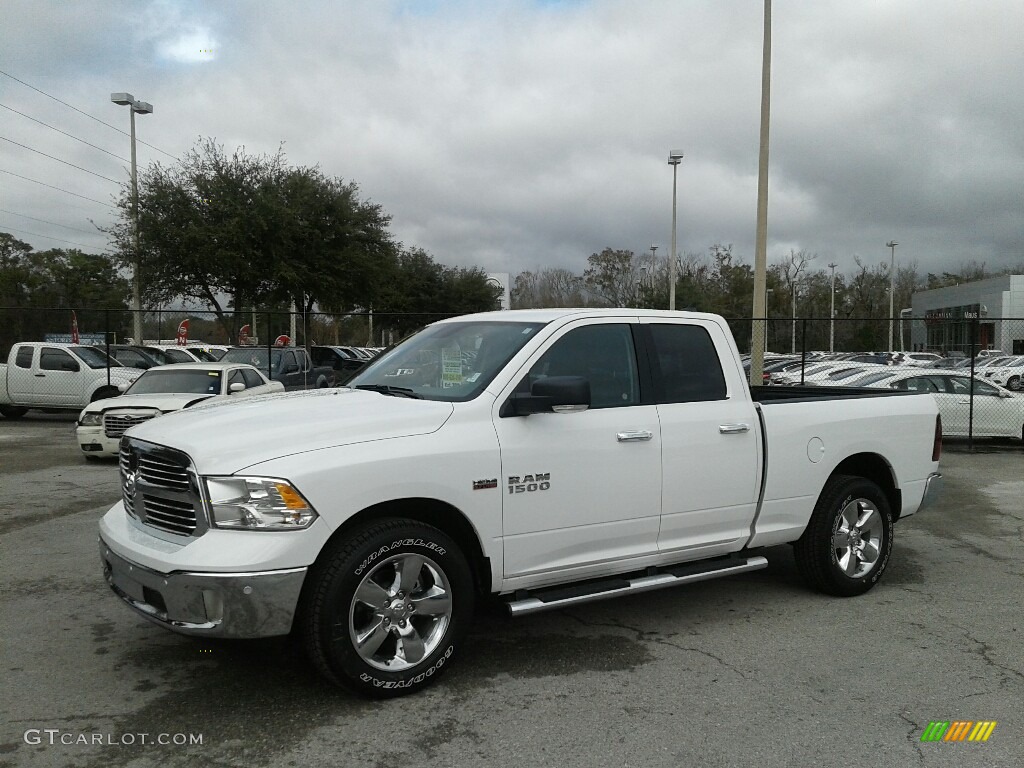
162, 401
226, 436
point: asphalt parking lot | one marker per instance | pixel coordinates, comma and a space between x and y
753, 670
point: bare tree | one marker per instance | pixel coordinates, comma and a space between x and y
791, 270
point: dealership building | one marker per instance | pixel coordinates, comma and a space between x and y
996, 305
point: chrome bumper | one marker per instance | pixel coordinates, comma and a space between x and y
234, 605
932, 490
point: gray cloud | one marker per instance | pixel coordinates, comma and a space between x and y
515, 135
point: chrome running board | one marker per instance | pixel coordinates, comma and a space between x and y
522, 603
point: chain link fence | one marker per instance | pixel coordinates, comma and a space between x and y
973, 365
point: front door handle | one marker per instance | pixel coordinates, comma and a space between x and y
734, 429
634, 436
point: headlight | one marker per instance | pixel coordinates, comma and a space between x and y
90, 420
256, 503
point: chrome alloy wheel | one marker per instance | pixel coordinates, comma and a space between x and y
400, 612
857, 538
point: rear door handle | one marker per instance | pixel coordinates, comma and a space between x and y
634, 436
964, 402
734, 429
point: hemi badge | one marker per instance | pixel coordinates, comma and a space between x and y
483, 485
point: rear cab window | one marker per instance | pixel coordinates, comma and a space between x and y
685, 364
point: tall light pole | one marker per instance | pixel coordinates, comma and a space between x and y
832, 312
891, 245
143, 108
675, 157
761, 233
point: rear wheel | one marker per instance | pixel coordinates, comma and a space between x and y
103, 393
846, 546
387, 607
12, 411
1013, 383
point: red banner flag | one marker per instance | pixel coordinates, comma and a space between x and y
243, 336
74, 328
182, 337
282, 341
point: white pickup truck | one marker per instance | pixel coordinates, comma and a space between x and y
52, 376
542, 457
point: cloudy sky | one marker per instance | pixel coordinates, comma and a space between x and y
517, 134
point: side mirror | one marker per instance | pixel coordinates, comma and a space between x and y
69, 365
290, 368
554, 394
235, 386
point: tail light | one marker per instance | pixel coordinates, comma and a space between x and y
937, 443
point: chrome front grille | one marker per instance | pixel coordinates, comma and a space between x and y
173, 516
159, 488
116, 424
160, 471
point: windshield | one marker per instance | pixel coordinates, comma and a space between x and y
449, 361
254, 356
93, 357
193, 382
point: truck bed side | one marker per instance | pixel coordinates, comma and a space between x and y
810, 436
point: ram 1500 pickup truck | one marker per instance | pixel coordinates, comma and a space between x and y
58, 377
540, 457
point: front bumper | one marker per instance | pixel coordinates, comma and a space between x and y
231, 605
93, 442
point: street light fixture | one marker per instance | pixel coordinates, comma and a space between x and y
891, 245
675, 157
142, 108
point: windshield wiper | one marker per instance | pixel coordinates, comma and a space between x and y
387, 389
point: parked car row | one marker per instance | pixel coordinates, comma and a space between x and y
995, 410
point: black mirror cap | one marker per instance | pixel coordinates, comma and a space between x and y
548, 394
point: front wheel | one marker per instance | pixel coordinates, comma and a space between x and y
12, 411
1013, 383
386, 608
847, 544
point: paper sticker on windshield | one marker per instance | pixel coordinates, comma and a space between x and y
451, 367
473, 378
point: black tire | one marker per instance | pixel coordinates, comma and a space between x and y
1013, 384
103, 393
836, 557
12, 411
395, 564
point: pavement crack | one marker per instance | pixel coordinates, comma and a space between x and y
984, 650
659, 639
912, 736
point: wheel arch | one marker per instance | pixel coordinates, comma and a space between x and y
437, 513
873, 467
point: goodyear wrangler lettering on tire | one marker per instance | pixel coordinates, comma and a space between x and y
404, 543
386, 607
378, 683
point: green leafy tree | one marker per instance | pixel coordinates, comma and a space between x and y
253, 229
421, 291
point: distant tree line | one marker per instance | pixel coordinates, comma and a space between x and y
721, 282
